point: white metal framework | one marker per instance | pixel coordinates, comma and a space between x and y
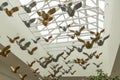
91, 14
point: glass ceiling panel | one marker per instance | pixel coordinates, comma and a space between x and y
62, 20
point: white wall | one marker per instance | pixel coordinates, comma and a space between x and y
112, 24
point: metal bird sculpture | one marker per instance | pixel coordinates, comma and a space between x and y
72, 36
32, 51
30, 6
72, 73
14, 39
5, 51
46, 17
80, 61
97, 34
90, 56
66, 62
87, 44
28, 23
36, 41
47, 58
35, 71
57, 77
25, 46
68, 53
56, 70
47, 39
45, 77
64, 28
77, 33
70, 66
71, 49
55, 66
14, 70
100, 42
4, 4
52, 74
22, 77
44, 64
84, 66
20, 41
97, 55
57, 57
63, 72
79, 49
67, 8
98, 65
65, 57
10, 12
67, 71
30, 64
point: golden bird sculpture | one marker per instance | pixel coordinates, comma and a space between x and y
31, 64
10, 12
14, 69
51, 74
5, 51
87, 44
35, 71
48, 38
72, 36
46, 17
98, 55
14, 39
22, 77
97, 34
81, 61
77, 33
31, 52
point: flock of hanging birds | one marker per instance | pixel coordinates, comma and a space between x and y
45, 61
45, 18
6, 51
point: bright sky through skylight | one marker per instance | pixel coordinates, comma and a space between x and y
91, 14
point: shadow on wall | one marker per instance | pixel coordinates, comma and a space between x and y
116, 66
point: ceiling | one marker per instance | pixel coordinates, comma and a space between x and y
14, 26
91, 15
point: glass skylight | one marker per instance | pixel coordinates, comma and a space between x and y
90, 15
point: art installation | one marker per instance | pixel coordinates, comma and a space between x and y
51, 62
